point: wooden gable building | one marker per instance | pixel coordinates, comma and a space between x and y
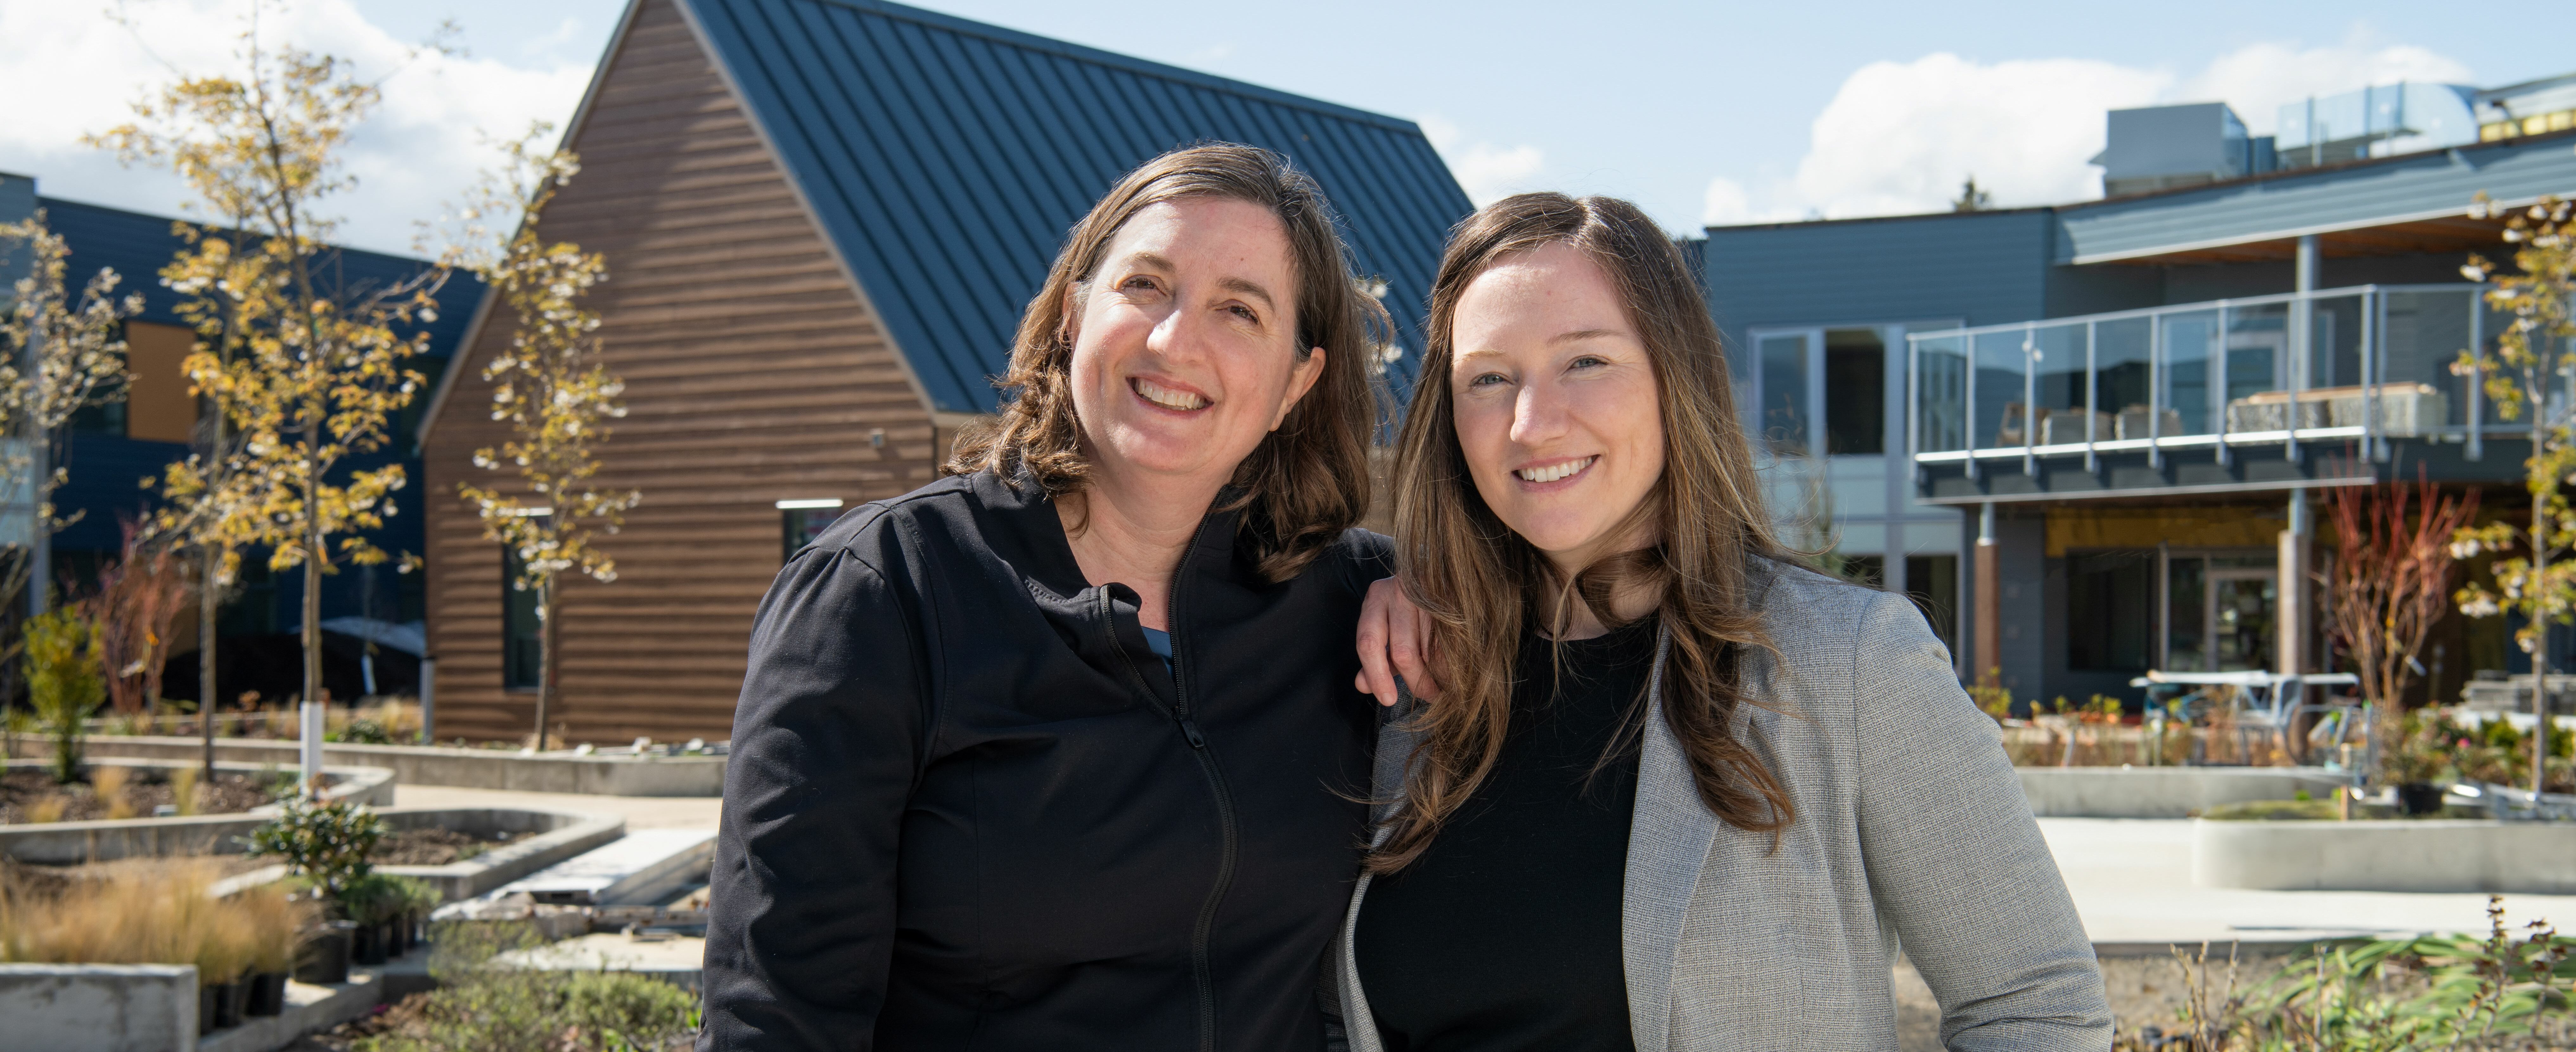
822, 219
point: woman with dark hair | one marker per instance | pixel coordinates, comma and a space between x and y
1060, 751
1674, 792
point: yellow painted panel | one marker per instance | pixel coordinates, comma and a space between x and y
2184, 527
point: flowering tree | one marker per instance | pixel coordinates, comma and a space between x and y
303, 372
59, 354
548, 384
2531, 353
2393, 575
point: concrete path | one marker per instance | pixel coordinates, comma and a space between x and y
641, 812
2131, 879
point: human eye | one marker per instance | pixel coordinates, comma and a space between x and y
1487, 379
1139, 283
1587, 361
1249, 316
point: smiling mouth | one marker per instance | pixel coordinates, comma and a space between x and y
1554, 472
1181, 401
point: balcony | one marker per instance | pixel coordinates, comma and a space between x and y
2069, 403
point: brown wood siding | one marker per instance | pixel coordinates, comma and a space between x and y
754, 374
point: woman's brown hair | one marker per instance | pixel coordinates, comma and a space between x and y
1482, 585
1307, 481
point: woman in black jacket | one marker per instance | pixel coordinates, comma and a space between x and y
1061, 751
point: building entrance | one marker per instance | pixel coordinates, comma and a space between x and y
2219, 611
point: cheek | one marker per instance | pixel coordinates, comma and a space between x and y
1483, 429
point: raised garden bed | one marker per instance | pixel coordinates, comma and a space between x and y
603, 773
534, 840
29, 795
67, 843
2434, 855
2165, 792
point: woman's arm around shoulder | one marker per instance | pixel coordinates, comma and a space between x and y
1955, 859
826, 742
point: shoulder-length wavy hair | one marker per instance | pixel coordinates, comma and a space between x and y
1483, 585
1307, 481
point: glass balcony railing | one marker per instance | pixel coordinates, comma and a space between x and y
2342, 365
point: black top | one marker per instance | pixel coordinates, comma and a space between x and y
1504, 933
967, 808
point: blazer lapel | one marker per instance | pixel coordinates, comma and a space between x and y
1668, 844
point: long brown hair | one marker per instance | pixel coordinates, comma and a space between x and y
1307, 481
1482, 584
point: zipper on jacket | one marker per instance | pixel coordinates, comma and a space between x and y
1202, 974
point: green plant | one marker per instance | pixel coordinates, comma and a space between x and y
484, 1003
362, 732
1992, 696
325, 843
63, 682
379, 898
2423, 753
2389, 995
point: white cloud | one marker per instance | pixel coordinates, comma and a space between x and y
1487, 172
420, 149
1900, 137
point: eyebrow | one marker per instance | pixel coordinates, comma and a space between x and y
1579, 335
1158, 261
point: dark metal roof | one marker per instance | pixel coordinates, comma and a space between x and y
946, 159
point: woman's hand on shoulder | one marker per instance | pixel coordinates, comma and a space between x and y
1394, 640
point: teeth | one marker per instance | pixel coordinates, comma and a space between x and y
1554, 472
1168, 398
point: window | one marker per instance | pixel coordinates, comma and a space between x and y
2110, 611
523, 646
801, 521
1932, 581
1783, 412
1855, 392
158, 407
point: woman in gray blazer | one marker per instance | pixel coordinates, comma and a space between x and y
1675, 792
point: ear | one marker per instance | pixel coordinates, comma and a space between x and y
1069, 324
1299, 382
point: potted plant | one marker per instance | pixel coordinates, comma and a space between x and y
325, 845
223, 952
278, 922
2420, 761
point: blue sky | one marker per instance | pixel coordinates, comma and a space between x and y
1728, 112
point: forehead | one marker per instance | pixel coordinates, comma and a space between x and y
1220, 232
1530, 298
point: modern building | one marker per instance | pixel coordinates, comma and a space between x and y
822, 219
112, 447
2092, 437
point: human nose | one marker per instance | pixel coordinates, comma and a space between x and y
1178, 336
1538, 415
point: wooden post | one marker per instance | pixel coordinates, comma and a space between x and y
1990, 608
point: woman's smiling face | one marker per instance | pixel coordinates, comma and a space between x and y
1557, 408
1185, 341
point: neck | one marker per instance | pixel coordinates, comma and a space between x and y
1630, 599
1133, 531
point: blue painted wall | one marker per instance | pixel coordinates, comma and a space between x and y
105, 469
1983, 267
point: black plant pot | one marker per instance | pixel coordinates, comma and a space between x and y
404, 939
323, 959
267, 994
2420, 798
367, 944
228, 1003
206, 998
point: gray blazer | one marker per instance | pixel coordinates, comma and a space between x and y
1911, 827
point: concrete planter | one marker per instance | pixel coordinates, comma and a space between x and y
603, 775
2164, 792
70, 843
2531, 858
99, 1007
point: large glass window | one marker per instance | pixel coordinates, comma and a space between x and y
1932, 581
1783, 412
522, 639
2110, 611
2219, 611
1855, 392
801, 521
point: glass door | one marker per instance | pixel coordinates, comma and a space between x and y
2219, 611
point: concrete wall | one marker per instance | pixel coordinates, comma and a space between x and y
435, 765
2163, 792
2530, 858
98, 1007
69, 843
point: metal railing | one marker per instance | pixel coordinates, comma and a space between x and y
2360, 364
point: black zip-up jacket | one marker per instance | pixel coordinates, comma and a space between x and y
967, 807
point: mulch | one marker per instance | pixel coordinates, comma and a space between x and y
22, 789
